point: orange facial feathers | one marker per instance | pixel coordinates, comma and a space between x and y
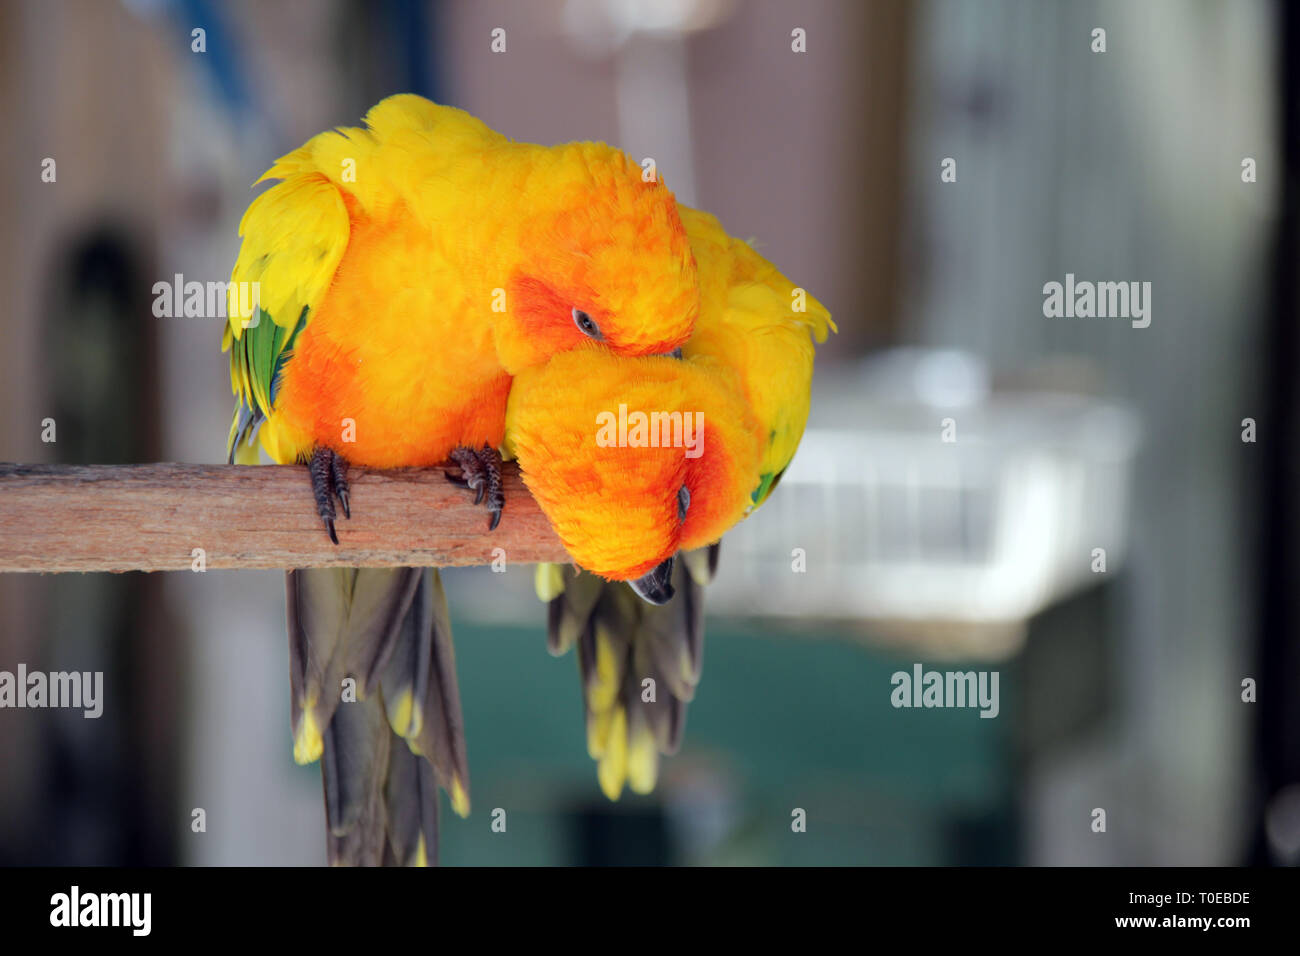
606, 445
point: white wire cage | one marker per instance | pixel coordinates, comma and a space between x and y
919, 496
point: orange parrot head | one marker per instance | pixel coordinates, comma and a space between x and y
604, 258
633, 459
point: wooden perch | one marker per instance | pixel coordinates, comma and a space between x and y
152, 517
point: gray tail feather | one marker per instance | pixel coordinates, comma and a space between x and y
412, 809
420, 687
665, 642
381, 800
387, 630
354, 764
342, 623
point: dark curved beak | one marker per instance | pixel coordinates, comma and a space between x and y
656, 587
675, 353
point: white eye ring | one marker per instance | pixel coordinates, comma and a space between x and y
586, 324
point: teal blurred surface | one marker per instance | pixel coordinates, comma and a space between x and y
780, 721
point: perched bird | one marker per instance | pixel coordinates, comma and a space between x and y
402, 274
753, 339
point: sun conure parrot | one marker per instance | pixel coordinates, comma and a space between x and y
404, 272
752, 338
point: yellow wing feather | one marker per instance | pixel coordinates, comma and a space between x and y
758, 326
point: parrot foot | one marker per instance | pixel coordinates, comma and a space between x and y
329, 480
480, 471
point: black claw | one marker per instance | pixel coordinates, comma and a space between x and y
496, 498
329, 481
481, 471
339, 473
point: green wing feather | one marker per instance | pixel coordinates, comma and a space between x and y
258, 357
294, 235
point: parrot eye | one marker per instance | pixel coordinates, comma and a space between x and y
586, 323
683, 502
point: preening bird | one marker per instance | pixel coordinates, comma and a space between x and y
403, 273
751, 355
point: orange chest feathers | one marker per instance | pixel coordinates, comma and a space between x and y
396, 366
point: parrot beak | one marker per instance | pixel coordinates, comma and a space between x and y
656, 587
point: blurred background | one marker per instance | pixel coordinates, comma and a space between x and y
966, 462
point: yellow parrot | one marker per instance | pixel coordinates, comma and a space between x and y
401, 274
753, 338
